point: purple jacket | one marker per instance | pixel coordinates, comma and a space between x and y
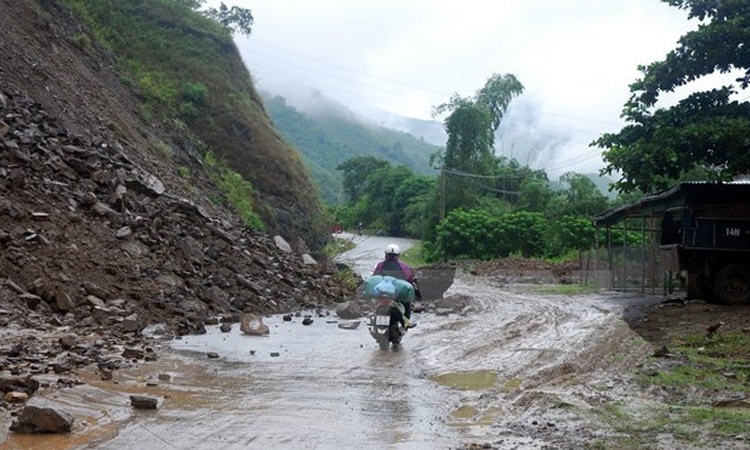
395, 269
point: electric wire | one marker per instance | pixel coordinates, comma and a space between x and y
372, 87
337, 86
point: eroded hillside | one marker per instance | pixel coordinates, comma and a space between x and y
96, 225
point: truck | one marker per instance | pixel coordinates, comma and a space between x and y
703, 235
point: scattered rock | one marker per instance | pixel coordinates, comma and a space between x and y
39, 416
308, 260
25, 384
143, 402
349, 310
253, 325
16, 397
349, 325
282, 244
740, 402
663, 352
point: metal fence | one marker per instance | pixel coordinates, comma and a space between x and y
631, 267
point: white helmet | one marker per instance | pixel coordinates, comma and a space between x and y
392, 249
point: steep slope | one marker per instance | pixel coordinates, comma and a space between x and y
96, 225
189, 74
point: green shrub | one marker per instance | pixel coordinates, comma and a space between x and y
238, 191
194, 93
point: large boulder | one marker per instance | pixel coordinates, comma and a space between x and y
348, 310
38, 416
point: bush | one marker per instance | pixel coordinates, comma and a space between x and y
239, 192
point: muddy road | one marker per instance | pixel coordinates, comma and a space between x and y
491, 364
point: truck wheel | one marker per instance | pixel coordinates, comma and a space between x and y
732, 284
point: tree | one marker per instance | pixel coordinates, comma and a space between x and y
570, 233
706, 129
192, 4
408, 199
470, 125
234, 19
582, 197
535, 194
356, 171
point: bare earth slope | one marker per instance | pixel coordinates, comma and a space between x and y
97, 230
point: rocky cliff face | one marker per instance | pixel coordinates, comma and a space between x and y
97, 230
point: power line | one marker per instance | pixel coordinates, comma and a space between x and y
369, 86
355, 72
399, 106
339, 88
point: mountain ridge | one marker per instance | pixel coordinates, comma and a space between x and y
329, 134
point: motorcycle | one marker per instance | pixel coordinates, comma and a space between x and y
385, 324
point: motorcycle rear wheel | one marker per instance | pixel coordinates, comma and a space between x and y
394, 335
384, 342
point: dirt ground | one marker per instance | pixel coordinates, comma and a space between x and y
490, 365
565, 368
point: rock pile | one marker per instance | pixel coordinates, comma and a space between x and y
94, 244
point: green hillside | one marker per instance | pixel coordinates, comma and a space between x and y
329, 138
191, 78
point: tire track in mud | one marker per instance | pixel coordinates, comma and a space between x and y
554, 356
512, 333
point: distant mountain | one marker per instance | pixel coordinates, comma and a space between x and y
327, 134
601, 182
432, 131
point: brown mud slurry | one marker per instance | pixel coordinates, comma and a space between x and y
491, 364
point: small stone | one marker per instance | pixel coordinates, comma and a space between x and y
123, 232
212, 355
16, 397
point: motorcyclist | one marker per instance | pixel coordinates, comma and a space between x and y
391, 266
399, 291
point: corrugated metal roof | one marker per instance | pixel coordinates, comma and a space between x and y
682, 194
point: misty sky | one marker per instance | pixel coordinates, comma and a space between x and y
575, 58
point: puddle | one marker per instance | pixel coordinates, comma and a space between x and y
467, 381
464, 412
300, 386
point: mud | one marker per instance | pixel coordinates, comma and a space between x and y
491, 365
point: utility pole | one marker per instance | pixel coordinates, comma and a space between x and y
441, 215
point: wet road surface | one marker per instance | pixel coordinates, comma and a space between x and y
489, 364
327, 388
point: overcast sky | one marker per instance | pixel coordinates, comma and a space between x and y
575, 58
